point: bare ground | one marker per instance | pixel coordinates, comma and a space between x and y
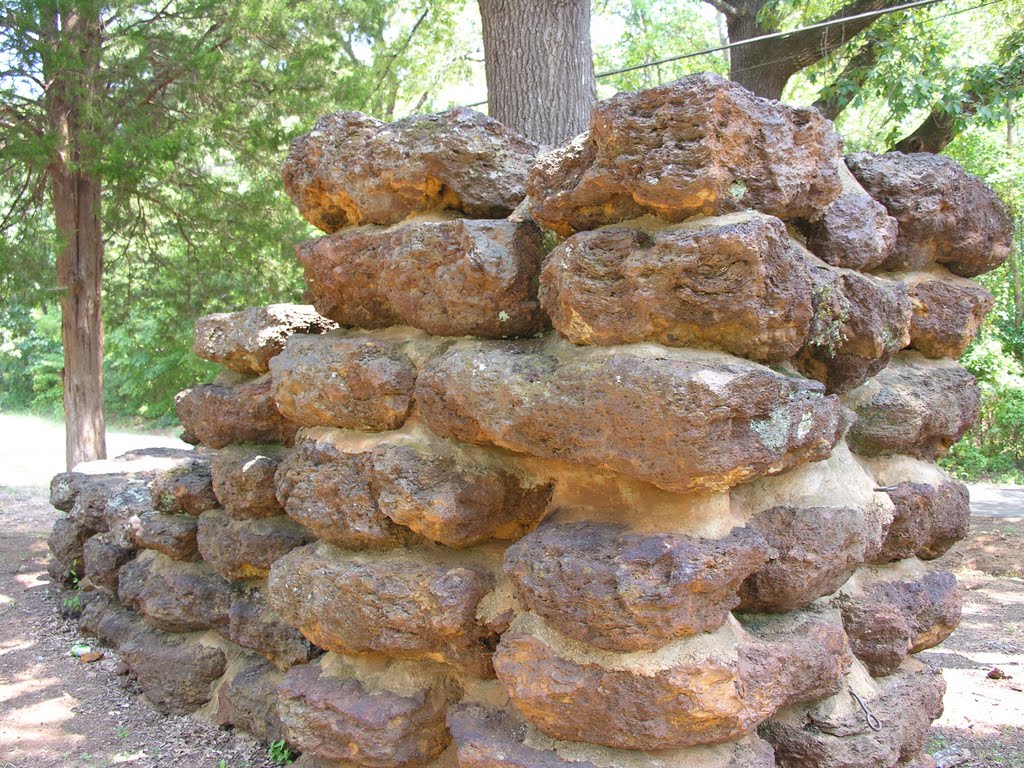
56, 711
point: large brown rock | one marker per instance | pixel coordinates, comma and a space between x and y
946, 216
625, 590
948, 311
701, 690
185, 489
890, 611
859, 323
125, 510
352, 169
175, 672
174, 596
679, 419
700, 145
103, 557
835, 733
66, 543
138, 465
253, 624
454, 496
173, 535
821, 523
499, 738
344, 718
245, 549
220, 415
916, 406
449, 278
734, 283
243, 479
244, 341
248, 700
403, 604
355, 382
931, 510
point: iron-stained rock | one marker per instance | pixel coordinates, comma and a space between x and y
253, 624
219, 415
175, 672
186, 489
948, 311
244, 341
174, 596
173, 535
449, 278
915, 406
700, 145
248, 700
734, 283
354, 382
245, 549
603, 584
352, 169
66, 543
682, 420
243, 479
102, 559
946, 216
854, 231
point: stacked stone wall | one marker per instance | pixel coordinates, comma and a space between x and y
621, 454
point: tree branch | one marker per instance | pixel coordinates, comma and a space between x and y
724, 8
834, 98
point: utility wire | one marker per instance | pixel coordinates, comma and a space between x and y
776, 35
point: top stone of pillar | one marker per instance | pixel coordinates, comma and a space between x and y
699, 145
353, 169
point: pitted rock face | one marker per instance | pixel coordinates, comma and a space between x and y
703, 690
174, 596
859, 323
834, 733
681, 420
102, 559
253, 624
243, 480
854, 232
66, 543
734, 283
187, 489
219, 415
336, 718
248, 700
890, 611
449, 278
946, 216
244, 341
915, 406
929, 519
245, 549
605, 585
352, 169
499, 738
403, 605
700, 145
354, 382
948, 312
172, 535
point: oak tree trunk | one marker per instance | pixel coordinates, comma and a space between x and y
540, 71
75, 191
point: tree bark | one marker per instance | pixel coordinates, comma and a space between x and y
540, 70
75, 191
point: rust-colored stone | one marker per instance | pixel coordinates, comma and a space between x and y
219, 415
243, 479
948, 311
245, 549
253, 624
174, 596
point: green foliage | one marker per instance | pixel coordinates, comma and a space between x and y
280, 753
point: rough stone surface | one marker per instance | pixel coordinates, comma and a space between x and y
104, 617
174, 596
253, 624
354, 382
219, 415
450, 499
915, 407
928, 519
352, 169
684, 421
243, 480
244, 341
186, 489
172, 535
343, 719
859, 323
834, 734
700, 145
948, 312
67, 487
245, 549
174, 672
854, 232
89, 509
945, 215
499, 738
449, 278
125, 510
403, 605
248, 701
734, 283
891, 611
67, 547
614, 588
102, 559
703, 690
